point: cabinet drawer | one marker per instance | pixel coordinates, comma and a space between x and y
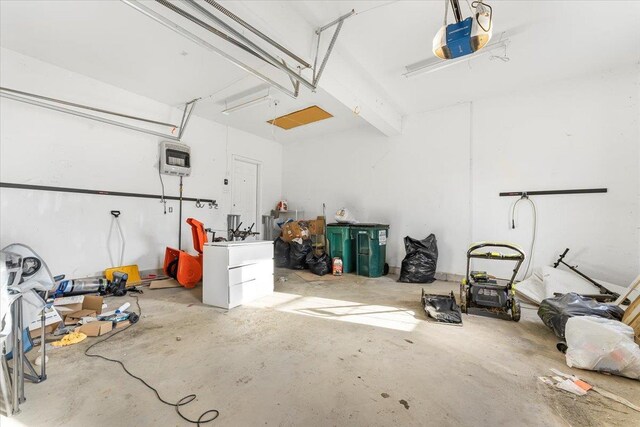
242, 255
250, 272
250, 291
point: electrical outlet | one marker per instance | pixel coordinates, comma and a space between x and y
226, 181
170, 209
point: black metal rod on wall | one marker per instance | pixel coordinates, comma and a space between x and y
99, 192
552, 192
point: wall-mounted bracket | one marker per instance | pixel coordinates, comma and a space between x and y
211, 202
552, 192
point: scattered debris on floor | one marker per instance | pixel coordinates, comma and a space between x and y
599, 336
573, 384
69, 339
550, 281
604, 295
164, 284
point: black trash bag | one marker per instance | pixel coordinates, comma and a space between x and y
319, 265
298, 254
555, 312
419, 265
281, 253
442, 308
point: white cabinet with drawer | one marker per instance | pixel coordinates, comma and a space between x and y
235, 273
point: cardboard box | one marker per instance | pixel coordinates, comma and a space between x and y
67, 305
75, 317
95, 329
51, 321
295, 230
122, 324
316, 226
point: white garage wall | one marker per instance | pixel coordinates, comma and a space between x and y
44, 147
416, 183
577, 133
443, 175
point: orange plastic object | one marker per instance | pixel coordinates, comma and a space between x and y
186, 268
198, 233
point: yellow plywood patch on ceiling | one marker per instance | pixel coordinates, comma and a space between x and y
300, 117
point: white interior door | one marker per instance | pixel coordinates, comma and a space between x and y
245, 193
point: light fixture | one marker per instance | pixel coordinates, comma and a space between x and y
464, 36
247, 104
434, 64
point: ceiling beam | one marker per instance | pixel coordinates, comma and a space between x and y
344, 79
345, 82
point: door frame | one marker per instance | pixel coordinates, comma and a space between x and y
258, 163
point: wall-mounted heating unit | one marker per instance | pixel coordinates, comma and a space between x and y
175, 159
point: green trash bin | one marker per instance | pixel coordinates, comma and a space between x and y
370, 249
341, 245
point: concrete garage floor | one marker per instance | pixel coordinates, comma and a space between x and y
351, 352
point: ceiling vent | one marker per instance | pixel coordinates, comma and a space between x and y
300, 118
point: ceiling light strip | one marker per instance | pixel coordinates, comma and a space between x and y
415, 70
187, 34
247, 104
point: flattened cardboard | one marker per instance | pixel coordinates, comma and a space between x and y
76, 316
47, 330
75, 299
67, 305
95, 329
164, 284
122, 324
51, 321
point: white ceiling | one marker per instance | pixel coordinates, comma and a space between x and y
111, 42
549, 40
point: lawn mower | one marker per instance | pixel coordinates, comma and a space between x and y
482, 291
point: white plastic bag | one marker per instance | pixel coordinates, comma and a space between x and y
603, 345
344, 216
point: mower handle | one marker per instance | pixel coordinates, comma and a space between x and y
479, 245
519, 258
